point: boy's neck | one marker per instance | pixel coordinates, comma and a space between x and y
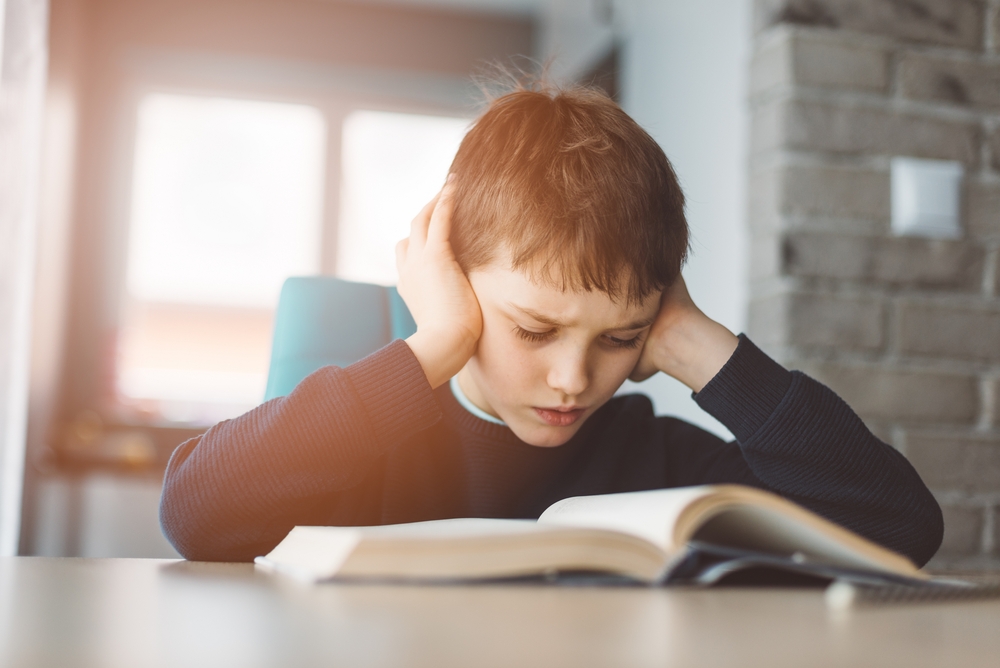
469, 407
470, 390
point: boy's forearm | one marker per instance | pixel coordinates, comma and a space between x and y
233, 493
441, 356
799, 439
695, 350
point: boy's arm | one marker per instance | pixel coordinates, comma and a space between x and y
796, 436
234, 492
799, 439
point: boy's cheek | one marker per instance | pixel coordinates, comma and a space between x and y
616, 371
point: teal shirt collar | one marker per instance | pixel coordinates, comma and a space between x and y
456, 390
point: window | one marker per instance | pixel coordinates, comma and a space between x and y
226, 203
392, 165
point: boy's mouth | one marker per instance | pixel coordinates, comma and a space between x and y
559, 417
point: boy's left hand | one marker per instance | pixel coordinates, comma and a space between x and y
683, 342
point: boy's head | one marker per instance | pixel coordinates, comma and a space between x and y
569, 221
567, 187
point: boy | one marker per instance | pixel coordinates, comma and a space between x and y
544, 274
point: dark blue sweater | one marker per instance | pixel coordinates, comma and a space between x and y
373, 444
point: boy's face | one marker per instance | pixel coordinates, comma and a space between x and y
548, 358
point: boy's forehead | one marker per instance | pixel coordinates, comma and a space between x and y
552, 272
547, 299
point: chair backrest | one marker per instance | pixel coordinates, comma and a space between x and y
323, 320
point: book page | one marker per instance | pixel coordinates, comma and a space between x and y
458, 527
759, 521
650, 514
457, 549
311, 553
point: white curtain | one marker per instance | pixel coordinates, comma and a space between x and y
23, 57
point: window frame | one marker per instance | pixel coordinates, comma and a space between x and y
335, 92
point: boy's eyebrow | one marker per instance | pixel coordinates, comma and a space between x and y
546, 320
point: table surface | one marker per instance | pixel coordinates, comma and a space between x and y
145, 612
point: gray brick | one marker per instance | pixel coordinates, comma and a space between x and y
835, 321
939, 330
819, 59
764, 197
961, 463
864, 130
991, 407
963, 530
835, 191
994, 11
766, 322
931, 263
993, 141
996, 533
765, 256
772, 66
818, 320
946, 22
843, 199
995, 288
881, 431
961, 82
919, 396
982, 209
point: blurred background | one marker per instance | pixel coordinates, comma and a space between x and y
165, 165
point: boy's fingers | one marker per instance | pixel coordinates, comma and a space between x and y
418, 227
429, 207
401, 249
418, 230
440, 223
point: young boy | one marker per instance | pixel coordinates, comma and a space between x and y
544, 274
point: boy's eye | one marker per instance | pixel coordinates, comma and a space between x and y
534, 337
634, 342
614, 342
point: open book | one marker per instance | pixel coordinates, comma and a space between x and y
688, 534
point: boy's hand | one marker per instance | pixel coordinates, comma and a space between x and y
437, 292
683, 342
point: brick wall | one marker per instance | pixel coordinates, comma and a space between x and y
907, 330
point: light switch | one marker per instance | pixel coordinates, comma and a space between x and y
926, 198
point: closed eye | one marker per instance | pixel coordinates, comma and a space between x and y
534, 337
634, 342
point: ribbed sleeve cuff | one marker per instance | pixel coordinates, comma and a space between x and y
395, 393
746, 391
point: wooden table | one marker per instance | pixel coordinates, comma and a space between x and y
138, 612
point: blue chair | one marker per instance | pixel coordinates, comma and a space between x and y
323, 320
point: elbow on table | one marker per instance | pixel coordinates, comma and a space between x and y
196, 542
202, 536
929, 531
177, 528
183, 520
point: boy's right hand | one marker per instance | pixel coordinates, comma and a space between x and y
437, 292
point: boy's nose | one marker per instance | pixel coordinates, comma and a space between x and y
568, 374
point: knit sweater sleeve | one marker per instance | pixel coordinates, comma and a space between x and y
801, 440
235, 491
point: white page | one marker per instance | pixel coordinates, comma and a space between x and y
650, 515
459, 527
312, 553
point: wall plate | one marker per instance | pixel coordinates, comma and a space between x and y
926, 198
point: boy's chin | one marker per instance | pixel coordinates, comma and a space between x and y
542, 436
